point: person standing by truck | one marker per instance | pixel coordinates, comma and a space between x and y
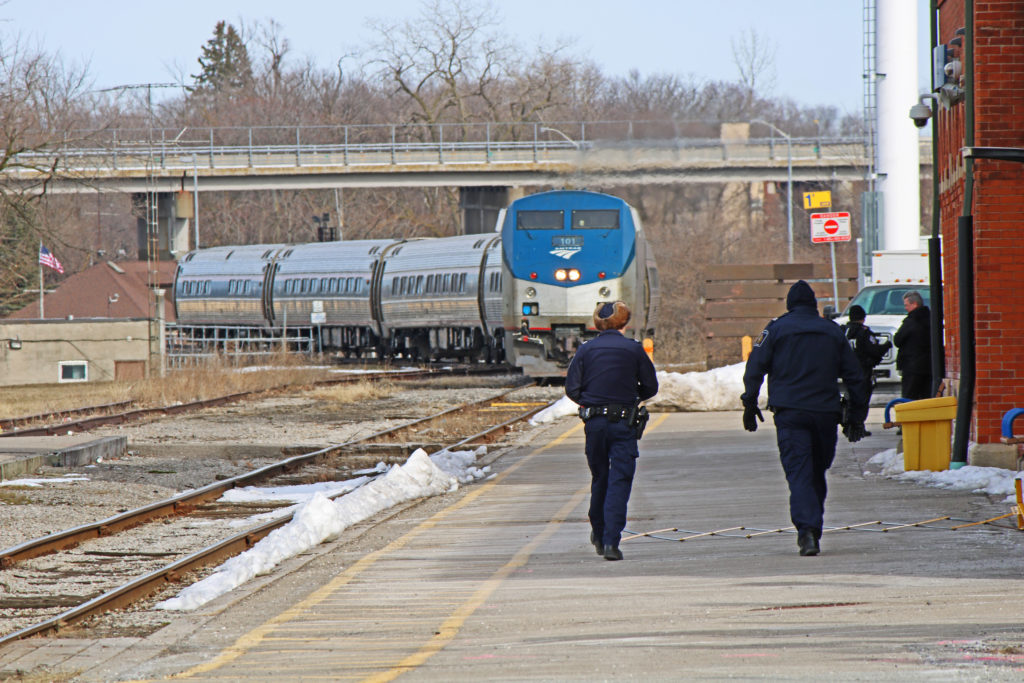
914, 343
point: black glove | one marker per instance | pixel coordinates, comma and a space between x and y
854, 431
749, 413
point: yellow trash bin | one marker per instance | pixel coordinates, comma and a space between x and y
927, 425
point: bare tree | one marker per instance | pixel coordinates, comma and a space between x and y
754, 57
41, 112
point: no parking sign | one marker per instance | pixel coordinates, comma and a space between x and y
830, 227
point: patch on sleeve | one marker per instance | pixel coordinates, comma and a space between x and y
762, 339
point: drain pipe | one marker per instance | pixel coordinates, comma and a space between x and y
965, 254
935, 241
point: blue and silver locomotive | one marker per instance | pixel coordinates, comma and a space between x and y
525, 296
564, 252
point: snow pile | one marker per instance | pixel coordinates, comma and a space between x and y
993, 481
717, 389
37, 483
562, 407
460, 464
320, 519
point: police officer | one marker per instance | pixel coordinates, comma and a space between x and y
804, 355
608, 377
865, 346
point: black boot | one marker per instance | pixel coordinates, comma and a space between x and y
807, 540
598, 545
612, 552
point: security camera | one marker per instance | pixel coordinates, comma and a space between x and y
920, 113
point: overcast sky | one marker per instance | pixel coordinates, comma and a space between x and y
818, 43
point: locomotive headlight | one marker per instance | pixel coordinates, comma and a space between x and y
561, 274
574, 275
530, 292
604, 292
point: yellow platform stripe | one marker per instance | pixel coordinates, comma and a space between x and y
253, 638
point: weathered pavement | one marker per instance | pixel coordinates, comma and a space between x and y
498, 582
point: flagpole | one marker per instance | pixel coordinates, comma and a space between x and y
41, 314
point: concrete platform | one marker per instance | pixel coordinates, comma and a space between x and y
22, 455
498, 582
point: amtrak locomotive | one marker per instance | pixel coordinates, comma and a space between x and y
525, 296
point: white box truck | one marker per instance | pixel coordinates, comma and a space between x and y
893, 273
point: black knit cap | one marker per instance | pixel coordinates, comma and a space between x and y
856, 313
801, 294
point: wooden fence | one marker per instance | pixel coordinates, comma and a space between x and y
741, 299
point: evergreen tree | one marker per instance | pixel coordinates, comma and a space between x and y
224, 61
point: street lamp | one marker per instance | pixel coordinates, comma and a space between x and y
789, 182
568, 139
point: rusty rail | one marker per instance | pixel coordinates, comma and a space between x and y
147, 584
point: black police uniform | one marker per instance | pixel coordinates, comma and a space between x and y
866, 347
804, 355
610, 371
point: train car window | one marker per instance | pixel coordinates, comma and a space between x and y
430, 284
396, 251
247, 288
477, 244
447, 286
325, 284
189, 257
231, 287
266, 255
373, 250
287, 253
462, 282
419, 284
229, 254
595, 219
540, 220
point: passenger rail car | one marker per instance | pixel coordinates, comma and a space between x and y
431, 298
526, 295
565, 252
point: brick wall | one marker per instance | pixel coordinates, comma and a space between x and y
998, 210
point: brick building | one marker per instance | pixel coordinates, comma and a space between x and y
981, 201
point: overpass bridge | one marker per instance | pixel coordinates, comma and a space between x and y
484, 160
470, 155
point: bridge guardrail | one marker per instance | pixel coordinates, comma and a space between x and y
207, 149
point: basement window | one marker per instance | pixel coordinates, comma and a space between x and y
74, 371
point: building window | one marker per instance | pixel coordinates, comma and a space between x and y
74, 370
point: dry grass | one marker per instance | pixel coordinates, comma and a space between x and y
10, 495
351, 392
213, 379
40, 675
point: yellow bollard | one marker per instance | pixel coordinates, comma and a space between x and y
746, 346
649, 348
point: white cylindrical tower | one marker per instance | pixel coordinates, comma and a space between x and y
899, 163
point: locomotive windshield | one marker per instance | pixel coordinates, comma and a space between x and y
540, 220
595, 219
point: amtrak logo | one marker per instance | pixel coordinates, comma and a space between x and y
564, 252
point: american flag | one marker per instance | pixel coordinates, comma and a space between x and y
48, 259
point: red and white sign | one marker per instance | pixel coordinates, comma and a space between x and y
830, 227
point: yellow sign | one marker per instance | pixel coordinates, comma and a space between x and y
818, 200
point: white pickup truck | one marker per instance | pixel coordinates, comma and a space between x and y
893, 273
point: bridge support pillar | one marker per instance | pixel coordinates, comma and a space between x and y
163, 230
480, 206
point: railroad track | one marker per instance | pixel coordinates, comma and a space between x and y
87, 417
117, 561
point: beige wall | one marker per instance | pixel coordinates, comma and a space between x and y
45, 344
